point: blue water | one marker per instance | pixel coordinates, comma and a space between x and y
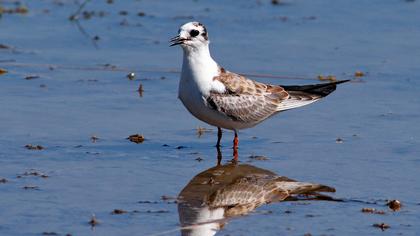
75, 98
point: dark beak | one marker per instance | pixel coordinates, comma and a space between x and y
177, 40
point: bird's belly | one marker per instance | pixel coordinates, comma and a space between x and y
196, 106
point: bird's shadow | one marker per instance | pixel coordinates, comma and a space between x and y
215, 195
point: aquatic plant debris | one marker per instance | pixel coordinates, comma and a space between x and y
30, 77
331, 78
131, 76
53, 233
166, 198
147, 202
259, 158
140, 90
394, 205
27, 187
94, 138
17, 10
93, 221
4, 46
75, 16
359, 74
49, 233
382, 226
34, 147
118, 212
33, 173
157, 211
373, 211
275, 2
136, 138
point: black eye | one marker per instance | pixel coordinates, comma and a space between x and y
194, 33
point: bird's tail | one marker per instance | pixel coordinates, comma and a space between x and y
308, 188
301, 95
290, 189
319, 90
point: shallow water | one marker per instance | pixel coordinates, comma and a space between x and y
76, 97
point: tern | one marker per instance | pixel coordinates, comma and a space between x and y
228, 100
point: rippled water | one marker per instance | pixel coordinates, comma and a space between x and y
82, 91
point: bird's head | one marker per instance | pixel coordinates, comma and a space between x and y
191, 34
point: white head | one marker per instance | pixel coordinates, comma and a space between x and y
191, 35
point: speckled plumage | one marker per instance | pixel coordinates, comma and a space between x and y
228, 100
232, 190
246, 100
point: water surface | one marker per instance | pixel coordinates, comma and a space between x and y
82, 91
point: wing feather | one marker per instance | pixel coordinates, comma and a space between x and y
301, 95
249, 101
246, 100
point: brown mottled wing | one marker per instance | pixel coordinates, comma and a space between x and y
246, 100
251, 191
255, 188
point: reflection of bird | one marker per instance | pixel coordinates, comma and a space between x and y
231, 190
228, 100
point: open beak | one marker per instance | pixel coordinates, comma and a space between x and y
177, 40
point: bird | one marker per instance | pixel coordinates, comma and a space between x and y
225, 191
228, 100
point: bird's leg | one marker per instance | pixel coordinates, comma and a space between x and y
219, 136
219, 156
235, 147
235, 141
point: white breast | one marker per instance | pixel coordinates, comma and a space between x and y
198, 71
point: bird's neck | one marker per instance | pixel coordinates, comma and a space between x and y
202, 52
198, 67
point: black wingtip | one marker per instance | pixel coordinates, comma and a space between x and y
341, 81
317, 89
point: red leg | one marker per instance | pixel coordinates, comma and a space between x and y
235, 147
219, 136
